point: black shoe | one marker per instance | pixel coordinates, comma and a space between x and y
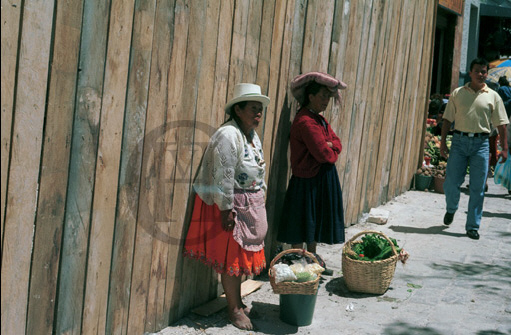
326, 272
448, 217
473, 234
320, 260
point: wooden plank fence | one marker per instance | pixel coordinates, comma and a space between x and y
107, 107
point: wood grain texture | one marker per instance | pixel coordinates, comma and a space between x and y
55, 169
25, 163
107, 107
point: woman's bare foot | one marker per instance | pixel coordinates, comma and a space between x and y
246, 309
240, 320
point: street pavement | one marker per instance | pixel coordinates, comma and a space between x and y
451, 284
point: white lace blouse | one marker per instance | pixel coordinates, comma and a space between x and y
229, 163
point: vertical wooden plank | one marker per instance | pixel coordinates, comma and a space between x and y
365, 113
264, 58
276, 51
340, 35
82, 167
131, 157
377, 97
415, 124
252, 41
239, 36
154, 198
323, 35
388, 106
10, 16
54, 169
317, 35
373, 110
403, 57
308, 52
182, 138
422, 102
107, 167
352, 144
223, 50
425, 73
278, 175
205, 123
339, 38
23, 182
349, 77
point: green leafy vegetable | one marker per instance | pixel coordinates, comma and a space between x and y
373, 248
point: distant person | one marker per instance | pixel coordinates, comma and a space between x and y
503, 171
435, 103
505, 93
474, 108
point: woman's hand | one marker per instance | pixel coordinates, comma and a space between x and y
330, 145
227, 219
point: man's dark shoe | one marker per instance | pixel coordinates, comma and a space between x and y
473, 234
448, 217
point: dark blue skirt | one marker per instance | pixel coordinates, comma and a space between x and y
313, 209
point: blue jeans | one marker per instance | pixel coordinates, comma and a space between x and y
474, 152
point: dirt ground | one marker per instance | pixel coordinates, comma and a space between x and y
450, 285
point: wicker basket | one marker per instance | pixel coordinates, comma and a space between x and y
306, 288
365, 276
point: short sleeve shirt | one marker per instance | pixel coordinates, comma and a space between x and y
475, 112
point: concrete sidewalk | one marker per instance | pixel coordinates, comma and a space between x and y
450, 285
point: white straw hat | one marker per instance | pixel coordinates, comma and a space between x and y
246, 92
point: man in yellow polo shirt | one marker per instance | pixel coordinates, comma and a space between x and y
473, 109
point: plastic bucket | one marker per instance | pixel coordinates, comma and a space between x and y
422, 182
297, 309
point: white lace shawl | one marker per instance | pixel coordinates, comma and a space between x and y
229, 163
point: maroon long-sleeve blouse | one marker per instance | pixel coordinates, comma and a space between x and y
310, 133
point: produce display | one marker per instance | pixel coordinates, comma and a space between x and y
434, 164
432, 148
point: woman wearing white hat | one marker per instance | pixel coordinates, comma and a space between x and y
228, 224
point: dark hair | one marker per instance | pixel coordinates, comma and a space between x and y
479, 61
503, 81
232, 112
313, 88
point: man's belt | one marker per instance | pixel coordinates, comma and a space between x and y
462, 133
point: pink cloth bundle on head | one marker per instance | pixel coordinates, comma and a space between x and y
300, 82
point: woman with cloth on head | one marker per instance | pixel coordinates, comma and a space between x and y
229, 224
313, 208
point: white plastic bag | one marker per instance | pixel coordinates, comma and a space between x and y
283, 273
503, 173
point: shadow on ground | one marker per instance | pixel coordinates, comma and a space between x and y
403, 328
267, 320
433, 230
